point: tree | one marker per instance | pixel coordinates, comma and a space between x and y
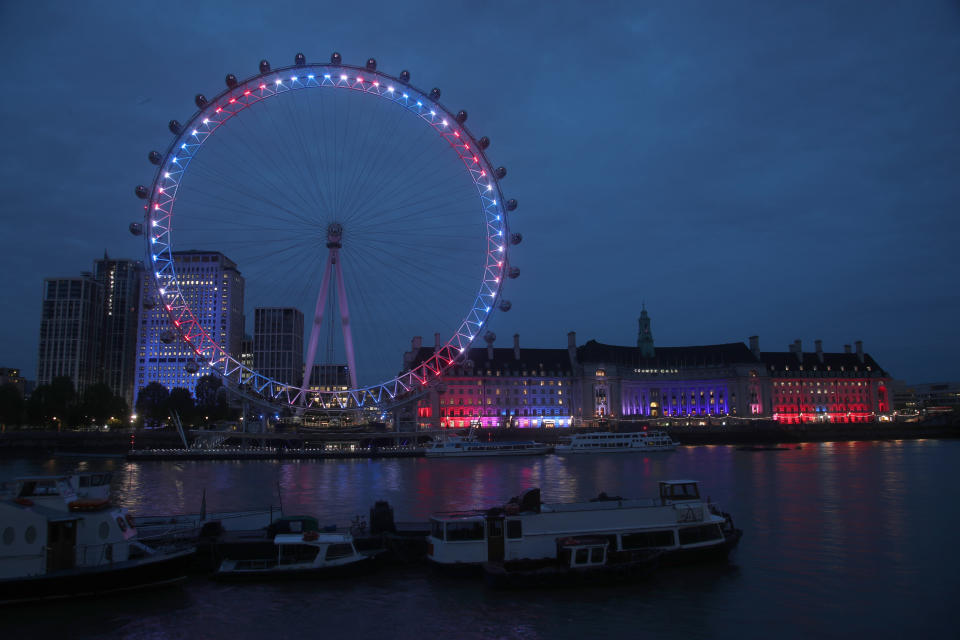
181, 401
11, 404
153, 403
100, 404
53, 404
211, 398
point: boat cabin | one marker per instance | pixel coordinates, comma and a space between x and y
679, 490
579, 553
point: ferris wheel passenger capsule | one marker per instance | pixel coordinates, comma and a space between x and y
505, 305
299, 59
191, 367
142, 192
511, 204
155, 158
500, 173
484, 142
405, 76
231, 80
136, 228
461, 116
513, 273
516, 238
435, 94
149, 303
264, 67
166, 337
371, 64
336, 58
174, 127
200, 100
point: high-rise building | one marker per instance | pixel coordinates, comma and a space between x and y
120, 281
70, 330
213, 288
278, 343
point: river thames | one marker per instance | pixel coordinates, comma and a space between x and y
840, 540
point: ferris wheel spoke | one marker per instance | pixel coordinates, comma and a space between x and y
247, 170
377, 166
234, 189
409, 181
278, 151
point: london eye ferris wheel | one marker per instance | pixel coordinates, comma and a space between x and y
333, 186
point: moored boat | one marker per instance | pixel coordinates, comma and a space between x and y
579, 561
678, 523
607, 442
453, 446
60, 537
310, 554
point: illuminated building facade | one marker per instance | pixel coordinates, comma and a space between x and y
622, 383
214, 289
827, 387
70, 330
595, 383
497, 387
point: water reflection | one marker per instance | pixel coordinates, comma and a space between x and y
839, 538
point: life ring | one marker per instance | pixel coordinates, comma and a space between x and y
129, 519
24, 502
121, 523
310, 535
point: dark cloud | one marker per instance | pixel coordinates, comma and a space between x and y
743, 167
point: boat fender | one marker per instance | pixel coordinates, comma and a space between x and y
121, 524
129, 519
310, 535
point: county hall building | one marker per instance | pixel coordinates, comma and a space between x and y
594, 382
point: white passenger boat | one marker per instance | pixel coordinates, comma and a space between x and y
302, 554
459, 446
678, 522
60, 537
606, 442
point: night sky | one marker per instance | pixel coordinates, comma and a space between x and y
782, 169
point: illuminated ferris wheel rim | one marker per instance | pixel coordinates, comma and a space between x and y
241, 95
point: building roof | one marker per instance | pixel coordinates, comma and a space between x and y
778, 361
704, 355
531, 359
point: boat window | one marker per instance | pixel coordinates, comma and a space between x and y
335, 551
514, 529
465, 531
703, 533
297, 553
436, 529
646, 539
596, 555
582, 556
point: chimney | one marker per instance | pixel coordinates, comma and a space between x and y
436, 342
798, 349
416, 343
859, 345
755, 346
516, 346
572, 347
490, 337
846, 349
819, 346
